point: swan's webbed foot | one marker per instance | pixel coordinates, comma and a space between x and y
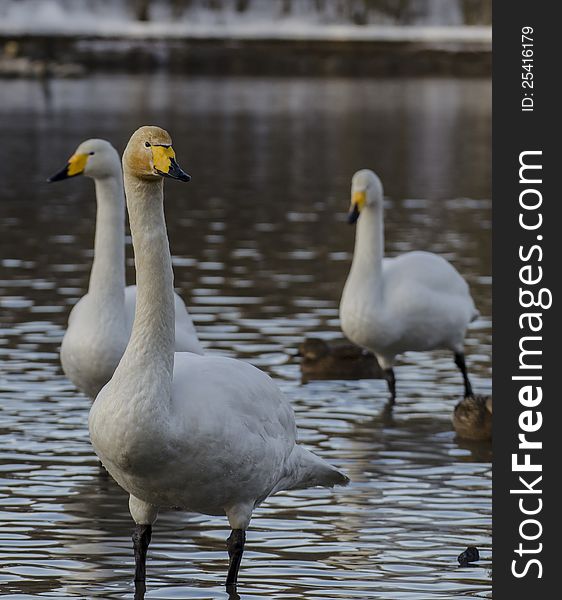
235, 546
459, 361
141, 539
391, 381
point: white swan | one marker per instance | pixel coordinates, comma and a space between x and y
415, 301
100, 324
210, 434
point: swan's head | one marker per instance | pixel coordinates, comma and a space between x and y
366, 191
149, 155
93, 158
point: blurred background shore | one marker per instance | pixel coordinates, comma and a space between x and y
71, 38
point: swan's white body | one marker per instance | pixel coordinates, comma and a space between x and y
210, 434
98, 332
100, 324
416, 301
218, 442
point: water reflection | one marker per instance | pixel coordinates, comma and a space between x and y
261, 251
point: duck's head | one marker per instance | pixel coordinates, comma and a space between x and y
366, 191
93, 158
313, 349
149, 155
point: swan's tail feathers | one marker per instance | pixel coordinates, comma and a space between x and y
308, 470
475, 315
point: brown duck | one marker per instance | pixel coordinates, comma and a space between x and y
336, 359
472, 418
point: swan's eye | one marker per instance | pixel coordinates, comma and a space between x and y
147, 144
91, 153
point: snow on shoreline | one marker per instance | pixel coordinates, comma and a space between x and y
58, 18
291, 31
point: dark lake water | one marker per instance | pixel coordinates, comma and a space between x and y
261, 252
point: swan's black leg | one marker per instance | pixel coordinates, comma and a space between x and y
140, 590
235, 546
459, 361
391, 381
141, 539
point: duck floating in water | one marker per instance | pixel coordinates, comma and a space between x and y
472, 418
336, 359
415, 301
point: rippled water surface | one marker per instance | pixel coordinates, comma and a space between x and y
261, 251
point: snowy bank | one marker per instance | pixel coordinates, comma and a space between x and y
282, 31
250, 46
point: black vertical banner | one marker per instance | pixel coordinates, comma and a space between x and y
527, 269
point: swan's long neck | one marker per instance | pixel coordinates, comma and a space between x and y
107, 278
366, 267
153, 336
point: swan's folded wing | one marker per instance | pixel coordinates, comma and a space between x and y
234, 412
424, 269
231, 391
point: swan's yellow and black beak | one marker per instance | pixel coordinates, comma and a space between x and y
75, 166
358, 200
164, 159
